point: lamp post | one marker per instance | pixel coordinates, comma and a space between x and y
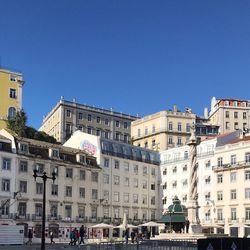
44, 176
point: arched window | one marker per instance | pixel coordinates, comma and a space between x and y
11, 112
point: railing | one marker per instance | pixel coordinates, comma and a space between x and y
233, 220
229, 165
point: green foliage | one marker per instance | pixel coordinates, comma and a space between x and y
18, 125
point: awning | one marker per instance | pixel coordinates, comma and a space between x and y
173, 218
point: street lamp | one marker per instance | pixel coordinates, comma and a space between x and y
44, 177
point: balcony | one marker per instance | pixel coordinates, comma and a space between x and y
54, 217
36, 217
25, 217
67, 219
117, 221
107, 219
219, 221
81, 219
236, 220
93, 219
5, 216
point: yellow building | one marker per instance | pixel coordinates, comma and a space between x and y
11, 84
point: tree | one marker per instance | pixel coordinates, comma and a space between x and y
18, 123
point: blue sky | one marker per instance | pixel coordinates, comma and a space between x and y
136, 56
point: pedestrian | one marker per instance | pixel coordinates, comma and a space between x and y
82, 233
30, 236
126, 236
51, 238
75, 233
132, 236
187, 225
71, 236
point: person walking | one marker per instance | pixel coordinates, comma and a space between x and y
71, 236
51, 237
82, 233
132, 236
30, 236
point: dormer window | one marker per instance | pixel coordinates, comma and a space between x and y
82, 159
55, 153
24, 148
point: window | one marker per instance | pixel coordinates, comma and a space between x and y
208, 164
13, 93
5, 185
89, 130
68, 191
11, 112
235, 103
82, 174
125, 138
247, 213
81, 211
98, 132
117, 124
117, 136
24, 148
144, 184
68, 211
233, 194
38, 209
219, 195
116, 196
98, 119
116, 212
5, 208
153, 200
145, 144
40, 168
126, 166
179, 143
116, 180
106, 195
106, 134
106, 121
136, 169
235, 115
117, 164
220, 162
227, 125
69, 173
55, 153
23, 186
106, 162
174, 170
80, 116
236, 125
54, 189
219, 178
39, 188
179, 126
153, 171
146, 130
80, 127
125, 125
170, 140
82, 192
22, 209
68, 128
135, 198
94, 176
89, 118
135, 185
244, 115
144, 199
126, 197
153, 186
247, 157
6, 164
247, 175
145, 170
105, 178
233, 177
170, 126
188, 127
82, 158
184, 169
23, 167
126, 182
247, 193
233, 214
219, 214
233, 159
68, 113
138, 132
